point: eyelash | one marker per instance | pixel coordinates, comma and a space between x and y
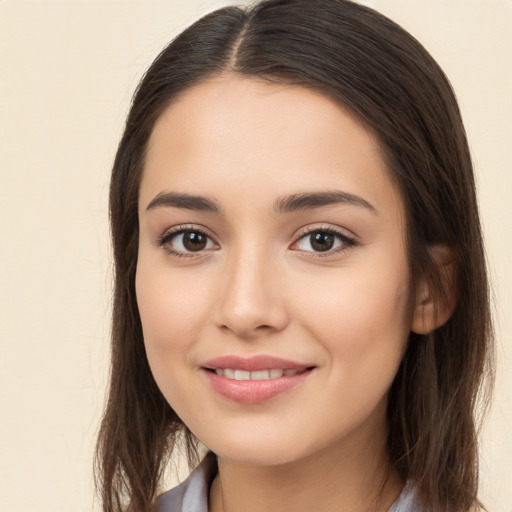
169, 235
347, 242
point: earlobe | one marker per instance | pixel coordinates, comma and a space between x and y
433, 307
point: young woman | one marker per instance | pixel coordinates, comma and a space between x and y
300, 282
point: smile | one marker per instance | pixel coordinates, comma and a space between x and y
255, 379
274, 373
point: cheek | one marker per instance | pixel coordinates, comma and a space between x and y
171, 307
364, 321
172, 312
363, 328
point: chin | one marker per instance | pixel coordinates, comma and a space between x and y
257, 457
254, 450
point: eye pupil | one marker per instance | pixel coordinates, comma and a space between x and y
193, 241
322, 241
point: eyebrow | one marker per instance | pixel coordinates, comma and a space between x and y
287, 204
187, 201
311, 200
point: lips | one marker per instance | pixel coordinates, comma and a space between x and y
256, 379
273, 373
252, 364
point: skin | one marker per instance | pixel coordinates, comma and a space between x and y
260, 287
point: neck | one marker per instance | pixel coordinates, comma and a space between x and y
353, 477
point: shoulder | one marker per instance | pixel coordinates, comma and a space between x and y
192, 494
408, 501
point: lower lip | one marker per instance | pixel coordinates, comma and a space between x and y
253, 391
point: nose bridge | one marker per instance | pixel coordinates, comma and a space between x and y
252, 301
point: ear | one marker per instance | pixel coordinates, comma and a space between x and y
434, 307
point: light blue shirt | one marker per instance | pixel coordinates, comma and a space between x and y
192, 494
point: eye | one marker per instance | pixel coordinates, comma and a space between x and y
324, 240
186, 241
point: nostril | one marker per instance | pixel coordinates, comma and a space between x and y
246, 330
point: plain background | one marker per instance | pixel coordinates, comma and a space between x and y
67, 73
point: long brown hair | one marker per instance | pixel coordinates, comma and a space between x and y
392, 85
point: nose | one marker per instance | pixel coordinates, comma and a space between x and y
252, 301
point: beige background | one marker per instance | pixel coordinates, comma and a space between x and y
67, 72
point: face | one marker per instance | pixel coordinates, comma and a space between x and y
272, 278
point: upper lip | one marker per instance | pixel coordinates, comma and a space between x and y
254, 363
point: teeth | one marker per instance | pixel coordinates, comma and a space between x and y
230, 374
273, 373
261, 375
242, 375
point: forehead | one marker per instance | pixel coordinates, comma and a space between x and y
226, 109
245, 135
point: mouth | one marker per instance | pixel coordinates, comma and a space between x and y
271, 373
254, 380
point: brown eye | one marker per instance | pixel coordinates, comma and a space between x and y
324, 241
321, 241
188, 241
193, 241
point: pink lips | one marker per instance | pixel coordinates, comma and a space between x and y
253, 391
253, 364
